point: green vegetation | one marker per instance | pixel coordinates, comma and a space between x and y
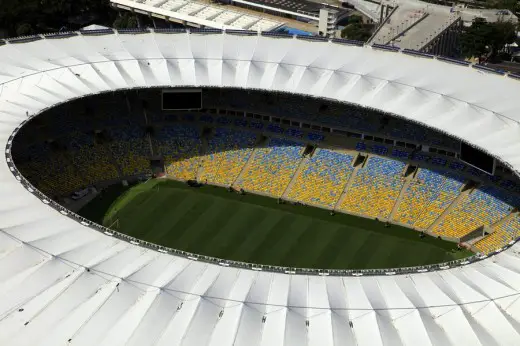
29, 17
511, 5
126, 21
356, 29
483, 39
212, 221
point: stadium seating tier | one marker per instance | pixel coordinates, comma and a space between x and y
181, 147
375, 188
480, 207
426, 197
322, 178
228, 152
271, 167
503, 233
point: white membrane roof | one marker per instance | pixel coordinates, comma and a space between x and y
62, 283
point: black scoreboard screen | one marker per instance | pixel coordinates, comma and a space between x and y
477, 158
178, 99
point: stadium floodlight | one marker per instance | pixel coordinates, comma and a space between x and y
43, 303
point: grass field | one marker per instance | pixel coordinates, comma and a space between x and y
212, 221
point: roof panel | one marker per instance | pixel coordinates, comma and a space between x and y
202, 324
295, 328
226, 328
273, 331
454, 322
67, 296
178, 324
155, 321
342, 332
248, 333
103, 47
320, 331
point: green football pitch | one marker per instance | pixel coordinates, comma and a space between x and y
212, 221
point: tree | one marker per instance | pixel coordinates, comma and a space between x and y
511, 5
22, 17
486, 39
24, 29
119, 23
474, 39
125, 21
502, 33
357, 31
132, 22
355, 19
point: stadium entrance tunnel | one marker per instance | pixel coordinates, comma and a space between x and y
282, 180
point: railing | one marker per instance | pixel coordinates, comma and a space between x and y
276, 34
489, 69
25, 39
348, 42
241, 32
454, 61
61, 34
385, 47
170, 30
133, 31
97, 32
312, 38
418, 53
205, 31
514, 75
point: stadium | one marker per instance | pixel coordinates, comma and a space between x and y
316, 186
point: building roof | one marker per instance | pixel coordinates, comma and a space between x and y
200, 14
63, 282
292, 6
414, 24
95, 27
